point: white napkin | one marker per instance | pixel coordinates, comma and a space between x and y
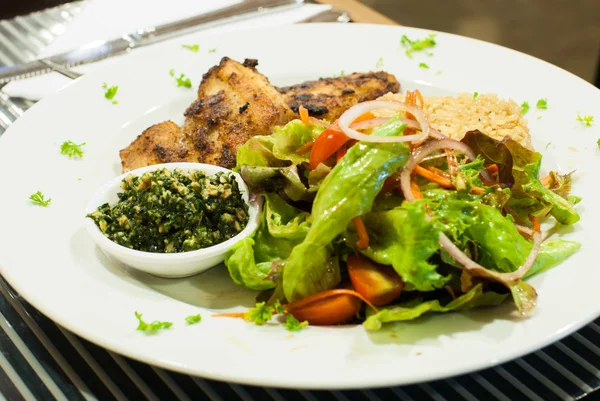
108, 19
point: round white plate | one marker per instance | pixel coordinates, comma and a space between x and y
48, 257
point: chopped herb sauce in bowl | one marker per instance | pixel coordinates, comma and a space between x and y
172, 220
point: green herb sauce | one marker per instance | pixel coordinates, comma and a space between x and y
174, 211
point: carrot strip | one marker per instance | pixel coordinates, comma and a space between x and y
437, 171
420, 99
452, 162
230, 314
303, 114
442, 181
493, 169
536, 224
414, 186
306, 147
322, 295
361, 230
364, 117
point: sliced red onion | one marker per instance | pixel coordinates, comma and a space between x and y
375, 122
361, 108
476, 269
421, 153
316, 121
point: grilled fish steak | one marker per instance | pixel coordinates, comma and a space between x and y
328, 98
236, 102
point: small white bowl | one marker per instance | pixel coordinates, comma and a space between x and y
170, 265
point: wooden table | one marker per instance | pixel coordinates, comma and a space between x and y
359, 12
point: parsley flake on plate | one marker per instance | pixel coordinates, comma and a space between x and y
379, 63
182, 80
71, 149
212, 50
423, 65
542, 104
110, 92
193, 319
262, 313
524, 108
292, 324
39, 199
418, 44
585, 120
475, 95
598, 143
151, 327
194, 48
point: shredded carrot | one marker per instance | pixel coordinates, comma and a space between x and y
414, 186
493, 169
437, 171
536, 224
230, 314
364, 117
303, 114
419, 99
306, 147
452, 162
301, 303
341, 152
361, 230
442, 181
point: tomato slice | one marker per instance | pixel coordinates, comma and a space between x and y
377, 283
328, 307
326, 145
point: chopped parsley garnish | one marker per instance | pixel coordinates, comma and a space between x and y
418, 44
39, 199
585, 120
182, 80
548, 145
475, 95
212, 50
110, 92
542, 104
423, 65
598, 143
72, 149
379, 63
151, 327
193, 48
292, 324
193, 319
341, 74
262, 313
524, 108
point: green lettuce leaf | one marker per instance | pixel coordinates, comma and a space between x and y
552, 253
273, 179
257, 151
295, 134
404, 238
281, 228
475, 298
348, 191
493, 152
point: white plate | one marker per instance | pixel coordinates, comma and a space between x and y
47, 256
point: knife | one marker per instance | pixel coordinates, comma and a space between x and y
142, 37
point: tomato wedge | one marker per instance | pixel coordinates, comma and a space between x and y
327, 307
377, 283
326, 145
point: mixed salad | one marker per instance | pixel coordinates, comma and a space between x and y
383, 220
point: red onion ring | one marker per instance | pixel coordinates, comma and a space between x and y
477, 270
376, 122
421, 153
361, 108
